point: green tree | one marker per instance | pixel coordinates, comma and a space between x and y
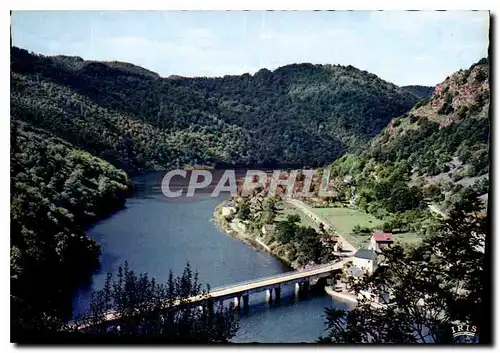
55, 195
310, 248
293, 218
286, 230
244, 211
152, 312
270, 211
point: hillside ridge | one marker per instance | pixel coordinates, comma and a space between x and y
299, 114
437, 153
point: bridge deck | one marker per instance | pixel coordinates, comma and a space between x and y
256, 285
269, 282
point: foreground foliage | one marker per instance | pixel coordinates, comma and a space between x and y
432, 286
148, 314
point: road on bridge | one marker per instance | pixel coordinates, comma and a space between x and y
235, 290
275, 280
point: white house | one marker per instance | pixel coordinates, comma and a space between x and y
366, 260
239, 225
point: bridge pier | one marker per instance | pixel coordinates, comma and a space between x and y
241, 300
301, 288
277, 293
245, 301
210, 305
269, 295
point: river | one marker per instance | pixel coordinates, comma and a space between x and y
155, 234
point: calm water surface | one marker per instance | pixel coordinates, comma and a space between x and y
155, 234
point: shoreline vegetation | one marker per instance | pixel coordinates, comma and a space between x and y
273, 224
266, 222
252, 240
245, 237
190, 167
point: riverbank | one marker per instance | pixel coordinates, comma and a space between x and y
349, 297
239, 231
157, 234
345, 296
226, 218
245, 236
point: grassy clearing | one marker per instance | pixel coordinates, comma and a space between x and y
407, 238
305, 221
344, 220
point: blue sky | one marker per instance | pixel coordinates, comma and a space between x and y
416, 47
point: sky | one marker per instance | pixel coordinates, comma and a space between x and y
403, 47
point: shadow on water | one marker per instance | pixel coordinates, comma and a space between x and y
292, 320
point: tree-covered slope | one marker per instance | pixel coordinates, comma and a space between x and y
451, 124
419, 91
56, 191
431, 154
300, 114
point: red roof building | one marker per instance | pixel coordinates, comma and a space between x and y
380, 240
382, 236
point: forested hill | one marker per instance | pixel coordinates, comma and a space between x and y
56, 191
300, 114
420, 91
452, 124
437, 152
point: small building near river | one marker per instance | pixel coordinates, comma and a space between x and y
366, 260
